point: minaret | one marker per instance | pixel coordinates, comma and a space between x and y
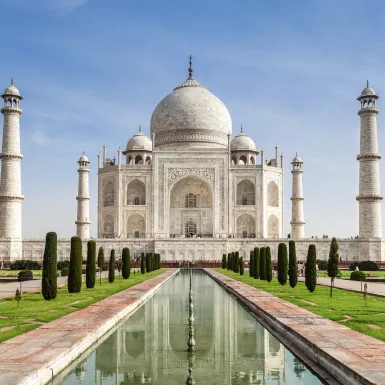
83, 222
10, 185
297, 217
369, 198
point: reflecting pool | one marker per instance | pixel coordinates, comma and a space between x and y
150, 347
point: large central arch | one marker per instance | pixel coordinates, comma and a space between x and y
191, 201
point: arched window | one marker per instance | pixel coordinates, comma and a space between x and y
130, 160
136, 193
108, 226
234, 160
246, 226
191, 228
272, 226
245, 193
148, 160
191, 200
136, 226
109, 194
252, 160
272, 194
243, 160
138, 159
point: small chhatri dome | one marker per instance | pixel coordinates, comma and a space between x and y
191, 115
297, 159
368, 91
83, 158
139, 142
11, 91
242, 142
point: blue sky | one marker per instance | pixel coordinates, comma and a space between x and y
290, 71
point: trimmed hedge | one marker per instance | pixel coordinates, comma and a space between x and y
147, 263
282, 264
269, 269
358, 276
64, 271
262, 263
101, 258
251, 263
75, 268
62, 264
365, 265
293, 273
49, 278
224, 261
126, 259
91, 264
26, 264
241, 266
142, 264
26, 275
310, 269
236, 262
111, 270
256, 263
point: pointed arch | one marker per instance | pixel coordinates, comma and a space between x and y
245, 226
108, 226
272, 194
136, 226
108, 194
272, 227
136, 193
245, 193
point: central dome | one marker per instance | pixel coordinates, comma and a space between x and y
191, 115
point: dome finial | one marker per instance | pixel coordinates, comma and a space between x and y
11, 81
367, 82
190, 70
140, 128
241, 129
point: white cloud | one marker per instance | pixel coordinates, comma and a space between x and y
40, 138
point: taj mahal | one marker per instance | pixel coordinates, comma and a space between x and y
192, 190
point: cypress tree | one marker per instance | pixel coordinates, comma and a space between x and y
228, 266
147, 263
49, 278
232, 261
310, 269
282, 263
251, 263
91, 264
241, 267
75, 268
111, 270
224, 261
151, 262
293, 273
236, 262
126, 259
269, 267
262, 263
142, 265
333, 263
256, 263
100, 262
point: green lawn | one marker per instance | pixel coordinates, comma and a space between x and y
346, 307
34, 310
14, 273
346, 273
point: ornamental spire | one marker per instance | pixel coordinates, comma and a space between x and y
241, 129
11, 81
140, 128
190, 70
367, 82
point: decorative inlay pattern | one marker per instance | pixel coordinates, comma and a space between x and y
178, 173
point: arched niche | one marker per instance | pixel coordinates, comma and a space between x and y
191, 198
272, 226
243, 159
138, 159
136, 226
245, 226
245, 193
148, 159
252, 160
108, 226
108, 194
272, 194
234, 160
136, 193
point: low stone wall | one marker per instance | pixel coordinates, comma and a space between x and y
348, 356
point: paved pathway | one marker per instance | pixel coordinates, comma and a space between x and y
373, 287
354, 357
34, 357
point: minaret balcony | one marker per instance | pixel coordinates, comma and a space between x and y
368, 110
369, 156
369, 198
11, 198
11, 156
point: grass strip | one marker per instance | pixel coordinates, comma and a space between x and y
35, 311
346, 307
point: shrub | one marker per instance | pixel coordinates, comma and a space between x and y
333, 263
224, 261
101, 258
241, 266
25, 264
357, 276
353, 266
126, 259
111, 270
105, 266
251, 263
322, 264
236, 262
26, 275
142, 265
91, 264
75, 269
282, 264
62, 264
228, 265
262, 263
148, 262
293, 273
310, 269
64, 271
269, 271
368, 266
49, 278
233, 261
256, 263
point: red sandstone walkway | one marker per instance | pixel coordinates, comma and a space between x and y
28, 358
318, 338
373, 287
